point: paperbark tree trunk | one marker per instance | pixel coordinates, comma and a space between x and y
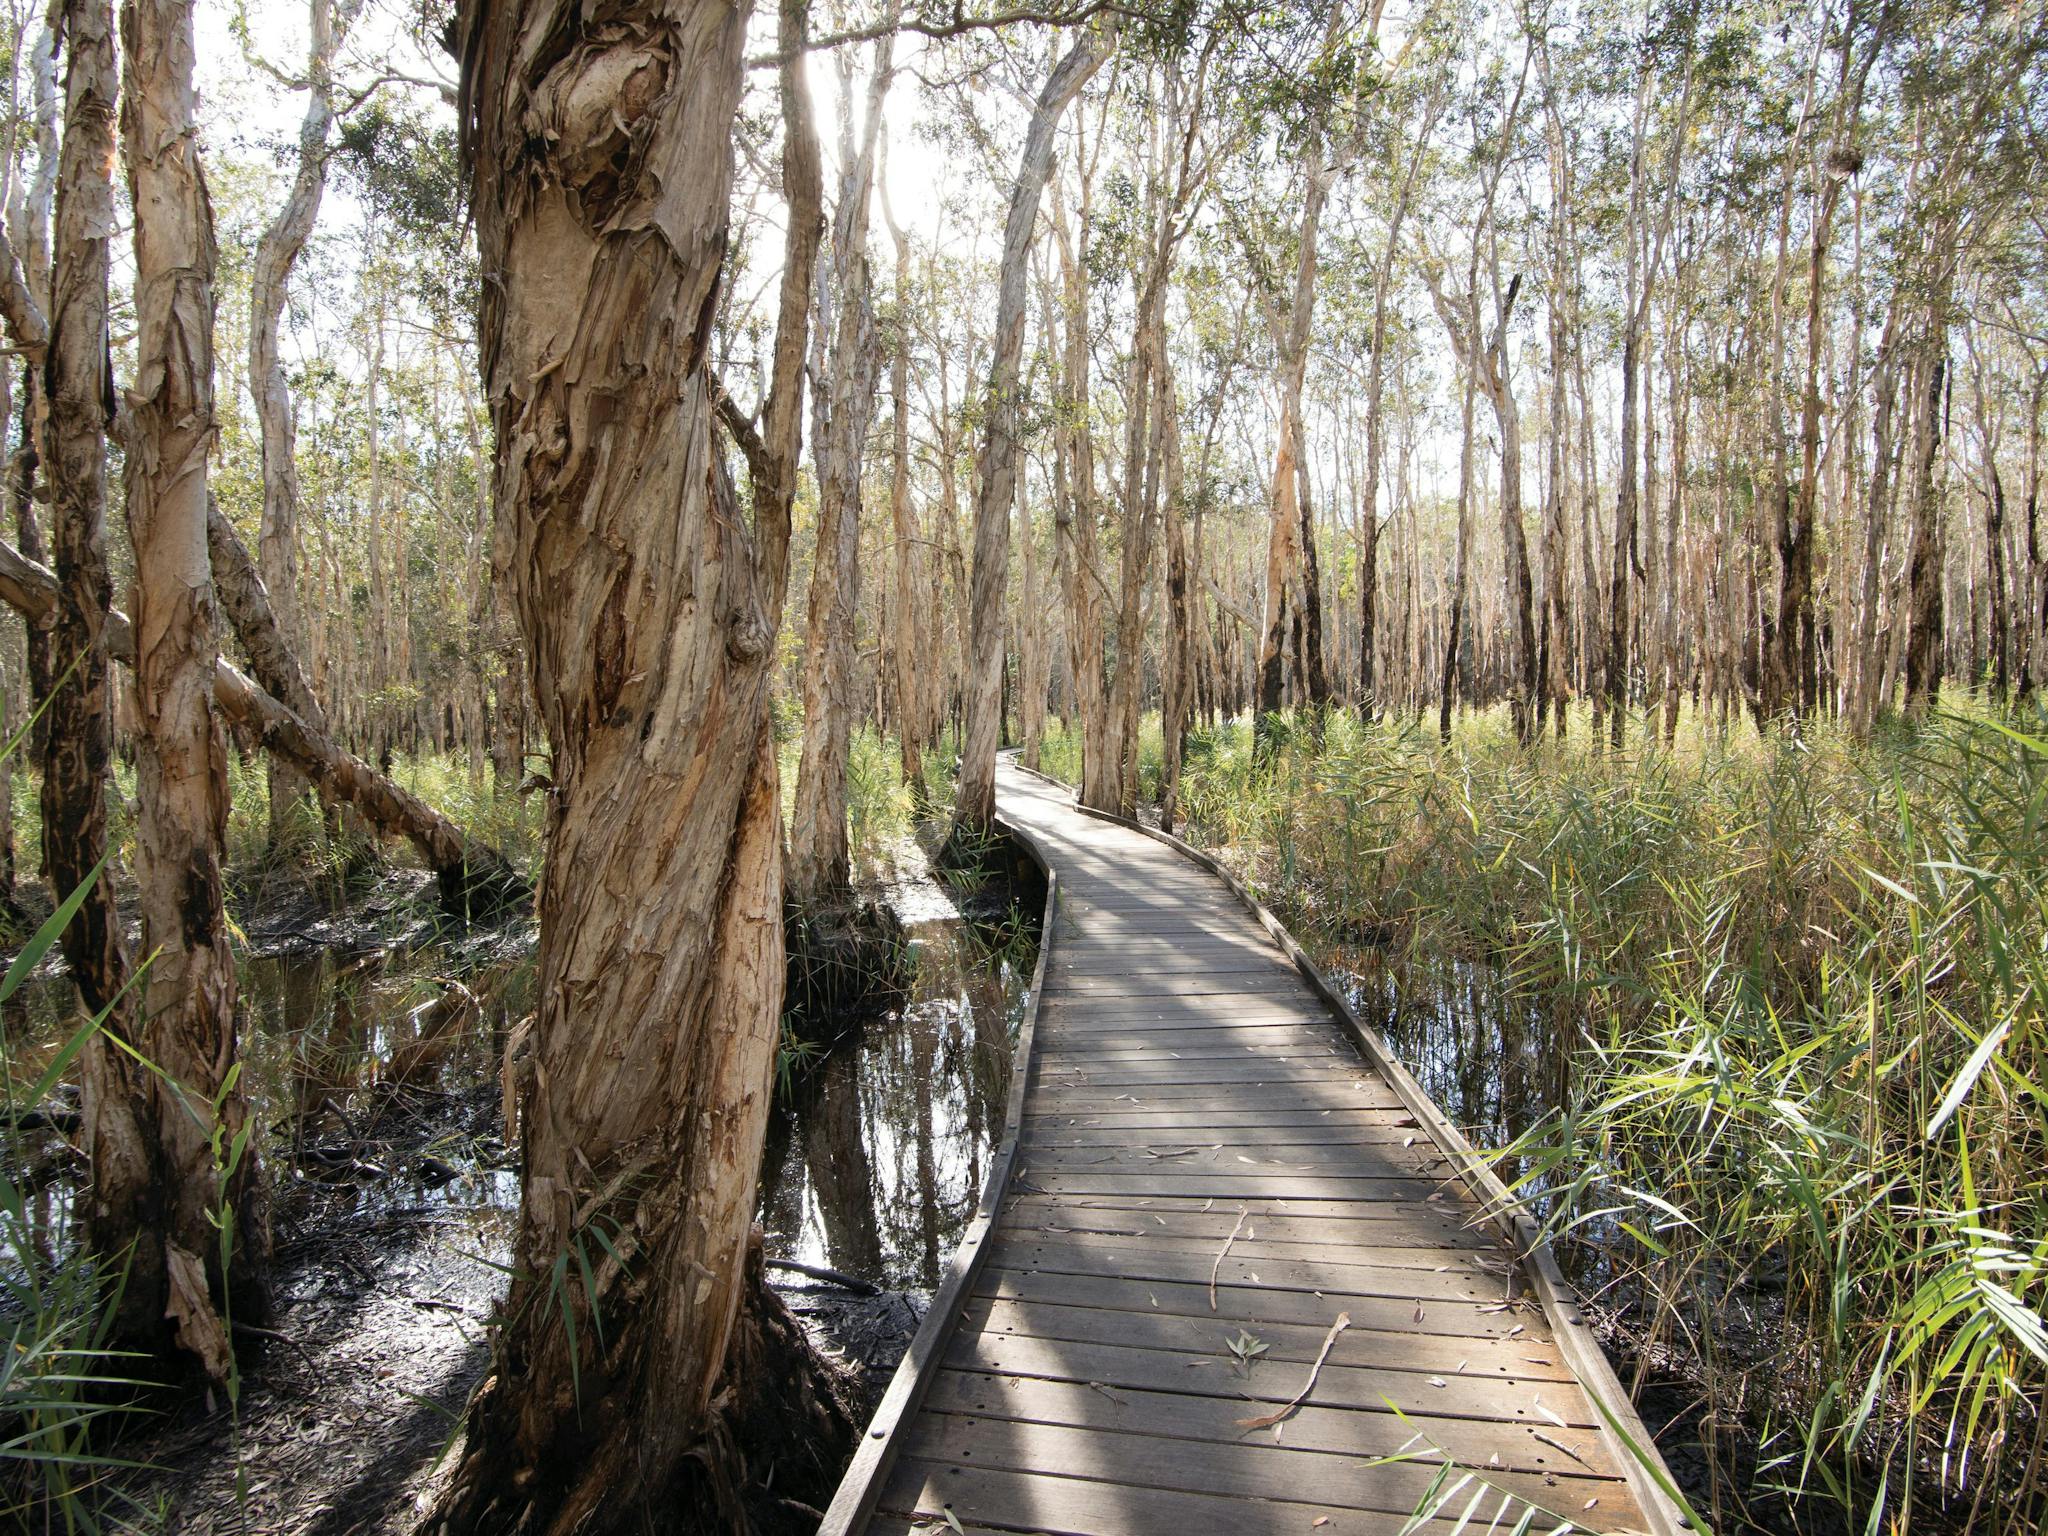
117, 1132
1454, 623
974, 797
214, 1229
906, 614
1924, 552
1285, 625
600, 156
28, 227
1177, 665
820, 867
1074, 522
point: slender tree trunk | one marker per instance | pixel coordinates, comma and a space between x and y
1454, 623
1031, 663
28, 223
974, 799
1924, 550
118, 1133
906, 612
208, 1162
1177, 666
277, 253
820, 868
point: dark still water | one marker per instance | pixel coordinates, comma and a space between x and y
875, 1163
377, 1065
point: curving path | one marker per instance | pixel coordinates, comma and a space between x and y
1206, 1165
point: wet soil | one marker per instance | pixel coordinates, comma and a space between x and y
376, 1040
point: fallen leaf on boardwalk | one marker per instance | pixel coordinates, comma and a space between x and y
954, 1521
1548, 1414
1320, 1520
1438, 1381
1514, 1330
1418, 1311
1329, 1339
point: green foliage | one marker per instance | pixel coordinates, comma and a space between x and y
56, 1372
1801, 1115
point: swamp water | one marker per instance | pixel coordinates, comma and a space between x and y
376, 1051
377, 1057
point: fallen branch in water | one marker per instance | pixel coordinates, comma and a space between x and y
819, 1272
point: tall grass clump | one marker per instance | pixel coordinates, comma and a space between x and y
1796, 1134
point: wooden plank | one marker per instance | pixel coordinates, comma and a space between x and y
1253, 1305
1057, 1506
1344, 1130
1428, 1225
1382, 1160
1318, 1093
1178, 1119
1264, 1471
1202, 1342
1355, 1274
1214, 1418
1381, 1388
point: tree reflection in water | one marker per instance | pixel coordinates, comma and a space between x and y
876, 1165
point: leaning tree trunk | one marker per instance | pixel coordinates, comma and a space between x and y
600, 155
471, 879
974, 797
119, 1142
209, 1197
276, 254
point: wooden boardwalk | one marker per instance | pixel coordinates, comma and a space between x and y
1206, 1160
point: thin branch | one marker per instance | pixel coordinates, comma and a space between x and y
958, 24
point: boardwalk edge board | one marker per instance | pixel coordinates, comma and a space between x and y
854, 1502
1636, 1455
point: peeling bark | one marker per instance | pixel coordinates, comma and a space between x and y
974, 799
207, 1168
119, 1141
600, 153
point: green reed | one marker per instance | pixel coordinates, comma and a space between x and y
1801, 986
